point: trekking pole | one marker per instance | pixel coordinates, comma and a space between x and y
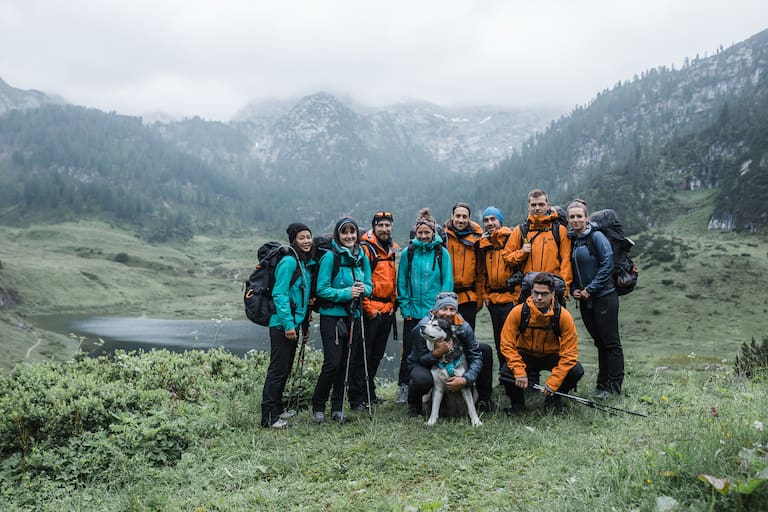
349, 357
365, 365
591, 403
302, 352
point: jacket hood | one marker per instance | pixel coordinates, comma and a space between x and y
419, 245
542, 221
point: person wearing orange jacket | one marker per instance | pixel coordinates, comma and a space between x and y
379, 308
539, 249
534, 339
495, 272
462, 234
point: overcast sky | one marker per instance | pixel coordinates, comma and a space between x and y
210, 58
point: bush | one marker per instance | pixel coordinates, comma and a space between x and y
752, 363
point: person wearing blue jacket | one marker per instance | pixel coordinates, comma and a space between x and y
592, 263
425, 270
343, 279
290, 294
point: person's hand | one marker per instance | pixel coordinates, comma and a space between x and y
527, 247
455, 383
576, 294
521, 382
585, 294
291, 334
547, 391
357, 289
442, 347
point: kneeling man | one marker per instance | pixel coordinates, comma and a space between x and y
539, 334
421, 360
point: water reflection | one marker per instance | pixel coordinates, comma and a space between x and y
236, 336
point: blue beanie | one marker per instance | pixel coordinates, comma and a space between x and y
492, 210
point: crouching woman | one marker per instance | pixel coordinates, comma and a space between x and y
291, 295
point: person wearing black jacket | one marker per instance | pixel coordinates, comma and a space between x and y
421, 360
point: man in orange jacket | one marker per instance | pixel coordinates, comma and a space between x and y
462, 234
496, 270
539, 249
379, 308
540, 335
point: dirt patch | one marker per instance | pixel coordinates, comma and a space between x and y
9, 298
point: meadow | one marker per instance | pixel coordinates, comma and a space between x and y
162, 431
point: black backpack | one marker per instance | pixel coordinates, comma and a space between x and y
625, 272
527, 284
259, 305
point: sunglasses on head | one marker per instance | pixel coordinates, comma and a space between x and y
447, 295
382, 215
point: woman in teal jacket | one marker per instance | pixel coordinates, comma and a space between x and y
291, 297
343, 279
425, 270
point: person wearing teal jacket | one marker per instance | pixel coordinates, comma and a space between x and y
420, 278
290, 294
339, 296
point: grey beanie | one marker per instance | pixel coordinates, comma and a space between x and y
446, 299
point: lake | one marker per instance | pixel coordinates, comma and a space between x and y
141, 333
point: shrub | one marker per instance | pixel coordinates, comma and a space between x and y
753, 360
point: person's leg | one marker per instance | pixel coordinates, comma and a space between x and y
408, 337
337, 394
606, 323
420, 384
381, 326
587, 309
356, 384
281, 355
332, 354
484, 382
499, 314
468, 311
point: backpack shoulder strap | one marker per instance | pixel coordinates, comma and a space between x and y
525, 318
373, 255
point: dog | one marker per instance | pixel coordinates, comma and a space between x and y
453, 363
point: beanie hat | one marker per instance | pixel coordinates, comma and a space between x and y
495, 212
343, 222
294, 229
425, 217
446, 299
381, 215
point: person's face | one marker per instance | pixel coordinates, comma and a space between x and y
446, 313
491, 224
538, 205
348, 236
577, 219
424, 233
541, 295
460, 218
304, 241
383, 230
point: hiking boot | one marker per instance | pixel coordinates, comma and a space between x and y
402, 394
555, 404
361, 407
280, 424
338, 417
515, 409
485, 406
290, 413
318, 416
601, 394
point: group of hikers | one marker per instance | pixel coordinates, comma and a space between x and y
450, 272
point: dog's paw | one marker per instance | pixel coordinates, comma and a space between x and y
477, 423
430, 423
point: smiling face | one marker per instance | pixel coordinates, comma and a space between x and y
383, 230
460, 218
577, 218
348, 235
491, 224
424, 233
304, 241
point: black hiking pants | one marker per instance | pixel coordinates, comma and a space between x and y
334, 331
601, 318
375, 337
281, 355
533, 367
421, 380
499, 313
404, 376
468, 311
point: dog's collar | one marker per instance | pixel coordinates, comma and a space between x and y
449, 366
